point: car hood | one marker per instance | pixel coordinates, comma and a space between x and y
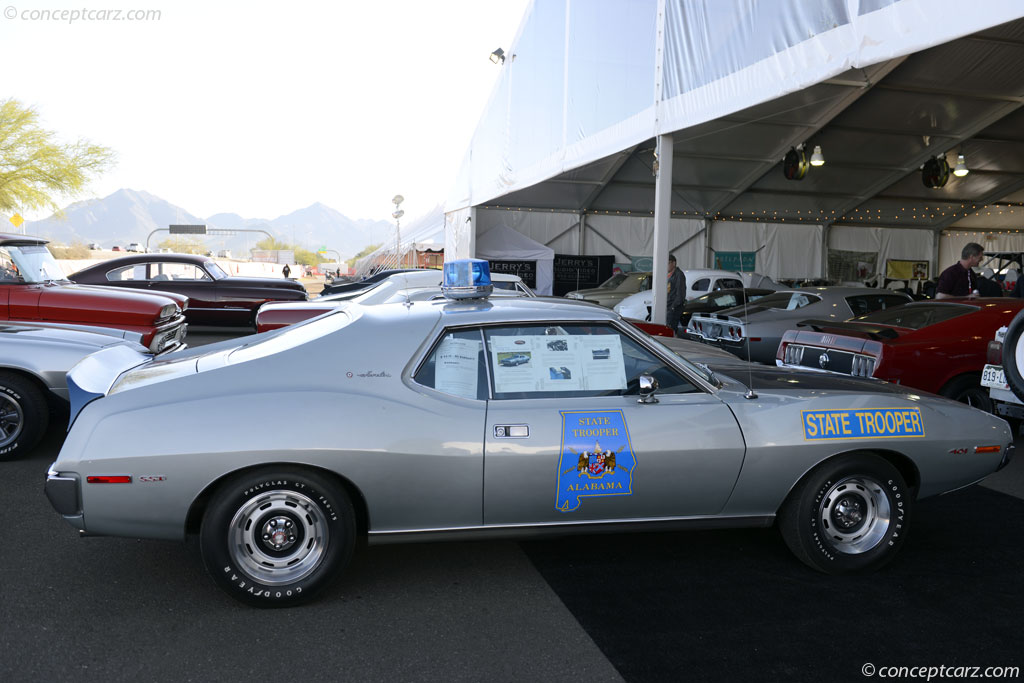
99, 304
787, 381
91, 337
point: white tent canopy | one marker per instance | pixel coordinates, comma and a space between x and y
600, 103
505, 244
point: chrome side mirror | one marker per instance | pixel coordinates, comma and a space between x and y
648, 385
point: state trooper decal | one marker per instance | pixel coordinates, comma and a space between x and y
596, 457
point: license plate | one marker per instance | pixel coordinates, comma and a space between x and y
992, 376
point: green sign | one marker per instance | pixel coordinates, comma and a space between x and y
642, 263
743, 261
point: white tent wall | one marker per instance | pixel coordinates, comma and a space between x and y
889, 243
790, 251
952, 243
628, 236
559, 231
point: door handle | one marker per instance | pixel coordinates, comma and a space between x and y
511, 431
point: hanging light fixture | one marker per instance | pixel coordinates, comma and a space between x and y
960, 170
794, 165
817, 158
935, 172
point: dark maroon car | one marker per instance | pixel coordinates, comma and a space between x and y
215, 298
33, 289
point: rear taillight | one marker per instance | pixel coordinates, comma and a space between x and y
793, 354
863, 366
994, 353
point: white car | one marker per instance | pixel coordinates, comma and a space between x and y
698, 283
136, 247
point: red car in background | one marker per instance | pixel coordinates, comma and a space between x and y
33, 289
935, 346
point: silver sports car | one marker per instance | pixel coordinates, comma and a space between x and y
34, 359
280, 453
753, 332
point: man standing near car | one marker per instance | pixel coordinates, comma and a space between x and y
676, 294
959, 279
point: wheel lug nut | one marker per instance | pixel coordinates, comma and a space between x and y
266, 537
273, 522
288, 524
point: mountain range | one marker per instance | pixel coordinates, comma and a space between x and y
131, 215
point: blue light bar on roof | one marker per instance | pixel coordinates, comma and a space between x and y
467, 278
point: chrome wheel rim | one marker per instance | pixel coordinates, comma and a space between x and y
278, 537
12, 419
855, 515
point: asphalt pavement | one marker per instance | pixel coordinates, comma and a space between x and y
701, 606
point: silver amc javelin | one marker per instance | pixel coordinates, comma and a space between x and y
401, 422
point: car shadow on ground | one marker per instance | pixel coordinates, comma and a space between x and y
735, 605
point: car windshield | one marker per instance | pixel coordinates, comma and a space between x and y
788, 301
613, 282
32, 263
215, 271
916, 316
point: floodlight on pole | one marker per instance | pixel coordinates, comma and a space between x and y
498, 56
397, 214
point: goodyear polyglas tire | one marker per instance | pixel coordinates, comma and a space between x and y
24, 416
276, 537
850, 514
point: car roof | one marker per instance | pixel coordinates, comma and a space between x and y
145, 258
7, 238
496, 310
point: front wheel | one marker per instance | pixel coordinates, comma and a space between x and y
276, 537
850, 514
24, 416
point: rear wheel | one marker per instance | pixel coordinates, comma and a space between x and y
967, 389
848, 515
277, 536
24, 416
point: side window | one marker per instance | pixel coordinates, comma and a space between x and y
701, 285
456, 366
8, 271
177, 271
858, 304
127, 273
890, 301
726, 300
728, 283
572, 360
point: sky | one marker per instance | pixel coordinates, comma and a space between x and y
261, 108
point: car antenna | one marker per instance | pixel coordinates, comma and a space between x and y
751, 394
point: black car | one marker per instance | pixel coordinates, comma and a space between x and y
354, 286
720, 300
215, 298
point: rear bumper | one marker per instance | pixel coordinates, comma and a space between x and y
63, 493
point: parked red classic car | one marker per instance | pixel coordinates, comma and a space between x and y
936, 346
215, 298
33, 289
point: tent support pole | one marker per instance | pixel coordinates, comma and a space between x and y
583, 232
708, 251
662, 216
826, 228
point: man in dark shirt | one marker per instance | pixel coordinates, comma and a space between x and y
676, 294
959, 279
